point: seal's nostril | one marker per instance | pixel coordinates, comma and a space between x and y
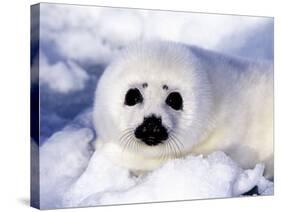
144, 129
156, 129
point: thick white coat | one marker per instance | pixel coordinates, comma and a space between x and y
228, 106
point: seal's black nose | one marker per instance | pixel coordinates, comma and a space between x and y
151, 131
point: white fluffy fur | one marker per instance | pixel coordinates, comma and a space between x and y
228, 106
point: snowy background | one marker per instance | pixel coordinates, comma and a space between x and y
76, 45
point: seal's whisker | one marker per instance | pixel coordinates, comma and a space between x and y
174, 152
131, 143
125, 141
177, 142
173, 134
124, 138
165, 150
179, 145
172, 147
175, 147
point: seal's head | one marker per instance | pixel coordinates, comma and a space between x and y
153, 100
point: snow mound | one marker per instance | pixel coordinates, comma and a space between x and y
63, 158
193, 177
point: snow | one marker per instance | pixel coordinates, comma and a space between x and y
193, 177
62, 77
62, 160
76, 44
73, 28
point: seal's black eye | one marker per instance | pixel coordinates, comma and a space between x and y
174, 100
133, 97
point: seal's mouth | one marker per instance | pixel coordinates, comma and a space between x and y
151, 131
152, 141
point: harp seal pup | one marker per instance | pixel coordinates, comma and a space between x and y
162, 100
